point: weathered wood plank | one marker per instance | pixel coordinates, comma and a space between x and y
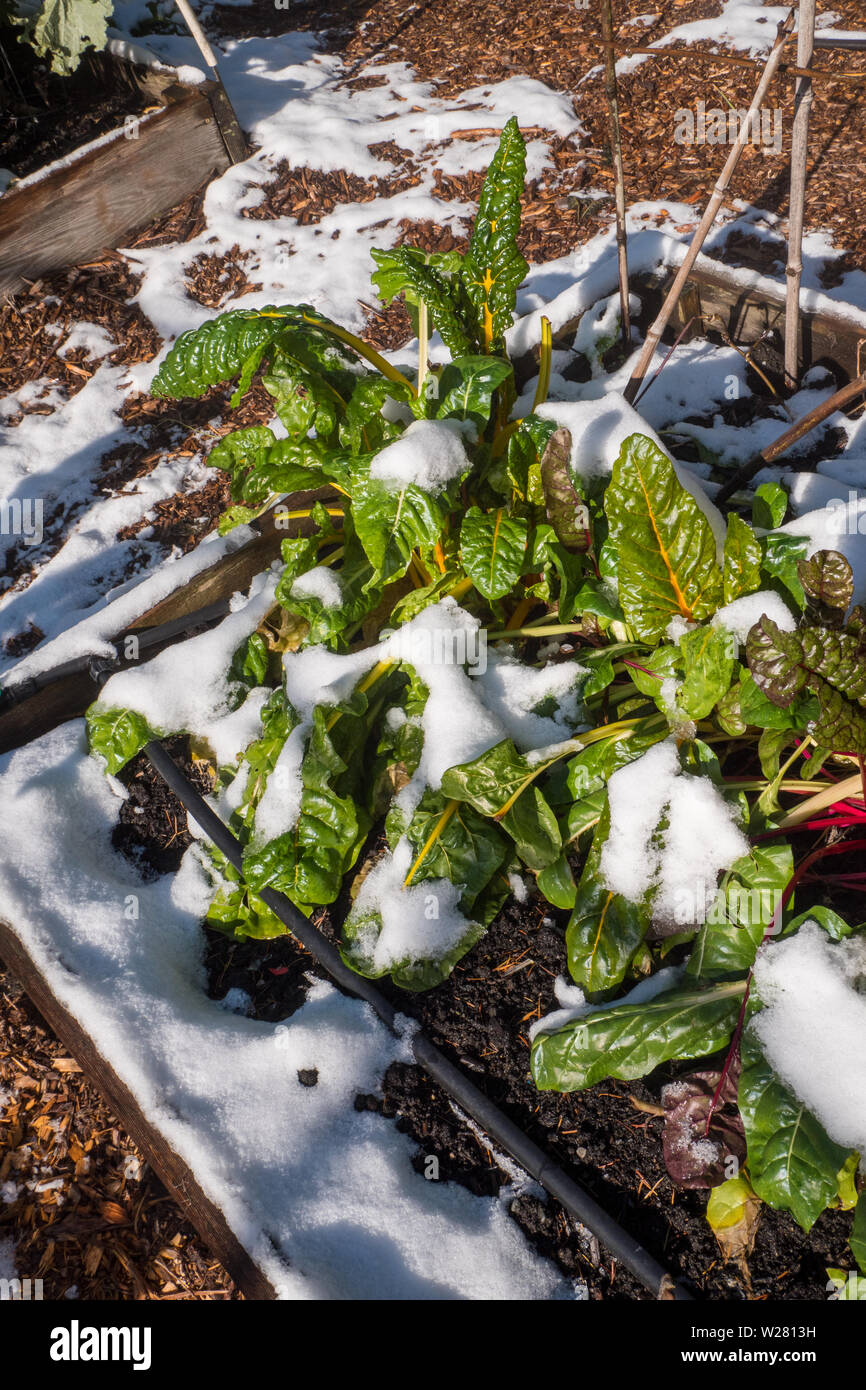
108, 190
235, 571
68, 698
177, 1176
746, 314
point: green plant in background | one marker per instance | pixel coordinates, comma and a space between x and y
61, 30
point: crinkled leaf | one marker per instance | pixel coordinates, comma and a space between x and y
444, 300
493, 268
828, 586
566, 511
361, 931
827, 662
220, 349
666, 551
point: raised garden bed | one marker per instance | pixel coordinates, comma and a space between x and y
101, 192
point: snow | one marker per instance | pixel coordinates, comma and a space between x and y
120, 607
323, 1197
813, 1024
518, 887
92, 337
321, 583
429, 454
740, 616
185, 688
677, 866
421, 922
513, 691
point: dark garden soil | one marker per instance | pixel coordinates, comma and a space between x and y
45, 116
480, 1017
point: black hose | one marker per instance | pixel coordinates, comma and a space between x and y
470, 1099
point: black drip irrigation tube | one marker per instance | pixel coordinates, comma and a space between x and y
467, 1096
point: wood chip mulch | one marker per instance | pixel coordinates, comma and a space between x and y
86, 1214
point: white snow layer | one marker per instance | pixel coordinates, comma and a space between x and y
429, 453
679, 864
323, 1197
185, 687
740, 616
813, 1025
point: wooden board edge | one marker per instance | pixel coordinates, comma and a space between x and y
177, 1176
94, 151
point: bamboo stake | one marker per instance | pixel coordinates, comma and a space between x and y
802, 427
701, 55
619, 177
682, 275
797, 204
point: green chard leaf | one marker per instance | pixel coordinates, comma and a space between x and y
391, 524
501, 784
493, 268
492, 548
605, 928
741, 913
467, 388
443, 298
793, 1164
708, 661
117, 735
858, 1233
630, 1040
769, 505
666, 565
742, 561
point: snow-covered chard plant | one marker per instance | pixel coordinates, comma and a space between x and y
389, 710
